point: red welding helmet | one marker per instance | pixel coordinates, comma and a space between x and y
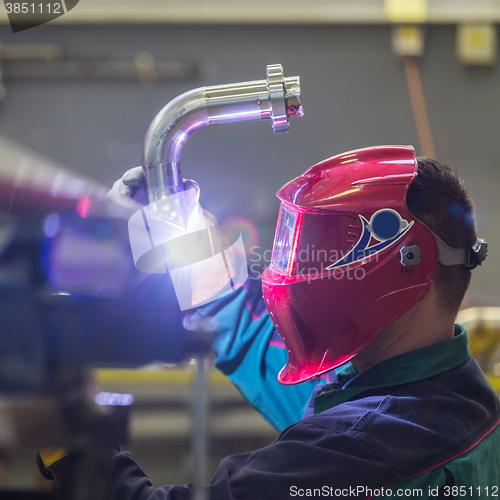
348, 258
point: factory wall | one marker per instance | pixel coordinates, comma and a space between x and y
354, 94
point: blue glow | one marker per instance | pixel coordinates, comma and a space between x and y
192, 323
113, 399
51, 225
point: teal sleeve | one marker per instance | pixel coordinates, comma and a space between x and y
251, 354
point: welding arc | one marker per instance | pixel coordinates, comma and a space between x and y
418, 105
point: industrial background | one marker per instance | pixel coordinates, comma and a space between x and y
355, 94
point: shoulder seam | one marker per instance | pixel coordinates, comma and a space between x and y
348, 433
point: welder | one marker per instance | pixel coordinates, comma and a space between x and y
378, 395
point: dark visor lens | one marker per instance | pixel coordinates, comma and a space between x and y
323, 239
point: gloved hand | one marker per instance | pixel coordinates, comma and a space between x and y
48, 459
128, 185
159, 231
132, 185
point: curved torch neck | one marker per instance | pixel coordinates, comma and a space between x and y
276, 98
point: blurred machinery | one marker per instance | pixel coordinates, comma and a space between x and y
46, 61
70, 296
69, 299
483, 326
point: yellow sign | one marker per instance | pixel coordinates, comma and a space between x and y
406, 11
477, 44
408, 40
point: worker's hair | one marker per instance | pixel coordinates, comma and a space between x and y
438, 198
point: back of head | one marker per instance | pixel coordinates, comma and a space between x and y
438, 198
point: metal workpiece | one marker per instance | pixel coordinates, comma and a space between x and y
276, 98
31, 184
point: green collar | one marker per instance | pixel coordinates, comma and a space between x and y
403, 369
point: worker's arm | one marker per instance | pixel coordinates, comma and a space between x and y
305, 456
251, 354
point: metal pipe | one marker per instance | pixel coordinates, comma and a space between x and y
417, 100
277, 98
31, 184
200, 426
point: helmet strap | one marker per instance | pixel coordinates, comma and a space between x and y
469, 257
